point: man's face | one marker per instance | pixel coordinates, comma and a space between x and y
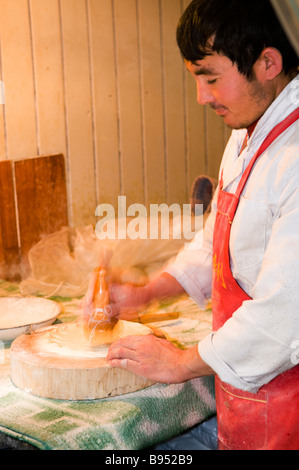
219, 84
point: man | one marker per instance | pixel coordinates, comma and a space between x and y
247, 71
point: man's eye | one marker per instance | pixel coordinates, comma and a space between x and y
211, 82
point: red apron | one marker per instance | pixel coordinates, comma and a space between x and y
268, 420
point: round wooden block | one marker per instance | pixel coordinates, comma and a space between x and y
46, 372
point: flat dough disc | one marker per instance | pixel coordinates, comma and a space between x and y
77, 339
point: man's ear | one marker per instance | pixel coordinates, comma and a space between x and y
270, 64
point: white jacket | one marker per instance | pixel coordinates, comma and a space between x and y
258, 342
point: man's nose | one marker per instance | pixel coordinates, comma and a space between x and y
204, 96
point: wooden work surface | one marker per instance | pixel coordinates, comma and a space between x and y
133, 421
44, 364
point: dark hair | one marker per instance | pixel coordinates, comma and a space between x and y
240, 29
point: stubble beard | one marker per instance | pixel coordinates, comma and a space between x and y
261, 99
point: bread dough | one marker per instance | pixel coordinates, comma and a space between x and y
75, 340
22, 311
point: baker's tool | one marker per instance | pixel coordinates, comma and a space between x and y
145, 318
99, 318
149, 318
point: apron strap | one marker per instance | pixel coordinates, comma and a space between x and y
272, 136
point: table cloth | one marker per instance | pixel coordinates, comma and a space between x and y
129, 422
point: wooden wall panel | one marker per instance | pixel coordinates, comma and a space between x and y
41, 199
174, 105
215, 142
3, 151
48, 74
196, 149
150, 37
129, 89
105, 101
196, 134
17, 65
9, 243
103, 83
78, 108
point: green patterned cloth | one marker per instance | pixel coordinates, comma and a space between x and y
130, 422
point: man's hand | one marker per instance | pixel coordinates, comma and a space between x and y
157, 359
127, 300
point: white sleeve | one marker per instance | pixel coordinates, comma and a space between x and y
257, 343
192, 268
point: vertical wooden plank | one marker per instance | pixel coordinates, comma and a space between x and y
3, 153
48, 76
174, 105
129, 100
195, 115
195, 133
152, 97
18, 77
41, 199
215, 142
9, 246
104, 101
81, 171
2, 253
